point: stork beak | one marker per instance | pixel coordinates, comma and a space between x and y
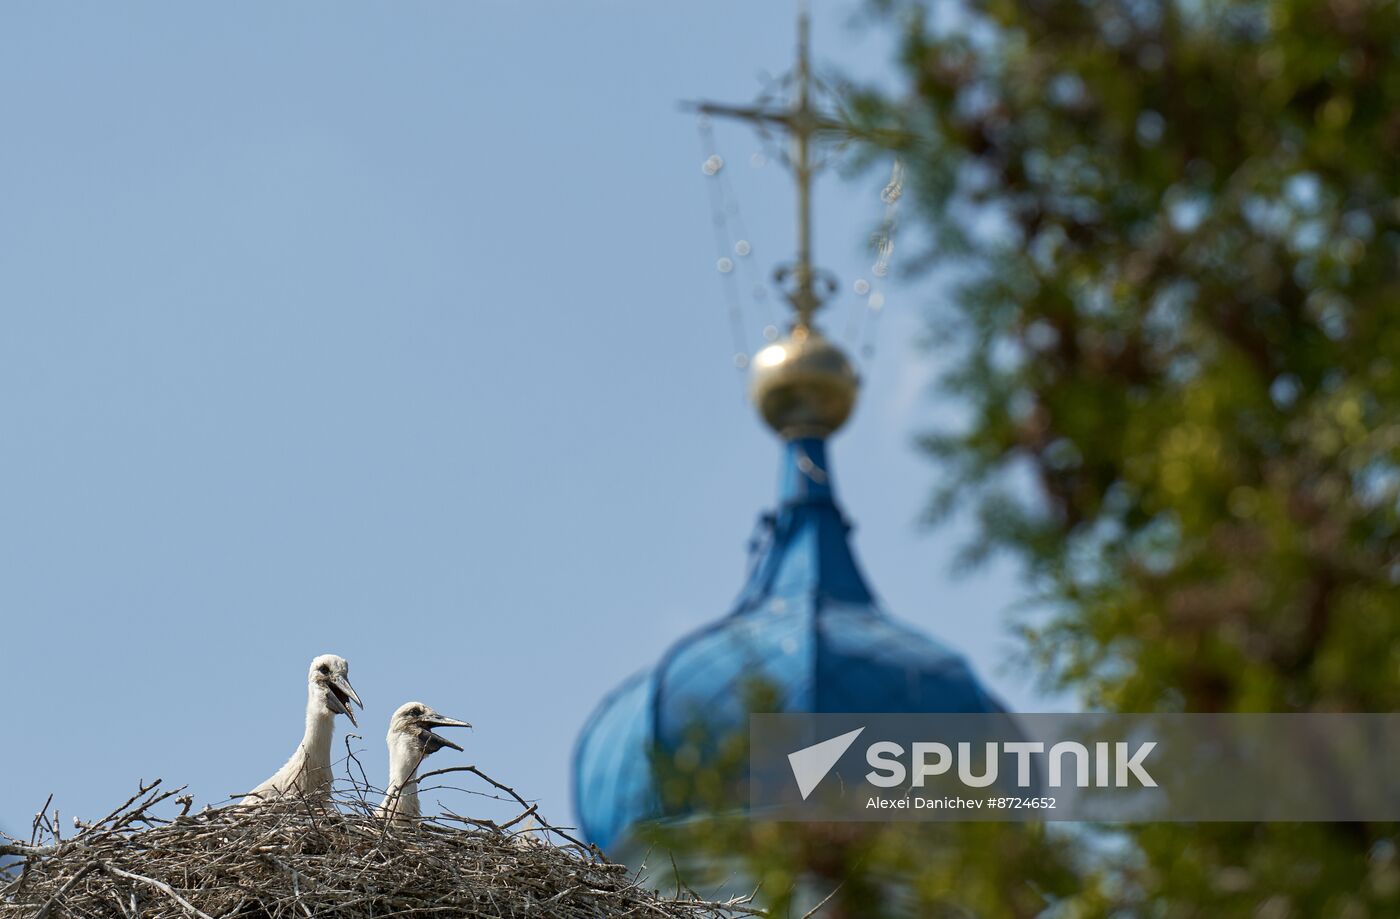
434, 720
438, 742
343, 684
342, 694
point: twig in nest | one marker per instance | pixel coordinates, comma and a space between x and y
58, 894
158, 885
287, 860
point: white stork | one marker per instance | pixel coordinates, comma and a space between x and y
411, 741
308, 773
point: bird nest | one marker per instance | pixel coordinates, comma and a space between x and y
299, 859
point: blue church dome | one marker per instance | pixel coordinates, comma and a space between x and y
805, 634
805, 626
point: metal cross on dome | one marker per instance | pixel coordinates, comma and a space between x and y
803, 122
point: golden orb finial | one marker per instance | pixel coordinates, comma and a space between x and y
803, 385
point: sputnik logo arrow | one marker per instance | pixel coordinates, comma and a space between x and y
811, 764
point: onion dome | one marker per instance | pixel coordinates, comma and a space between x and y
806, 624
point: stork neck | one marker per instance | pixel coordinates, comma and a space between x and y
320, 730
403, 767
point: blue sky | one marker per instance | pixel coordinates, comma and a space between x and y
394, 330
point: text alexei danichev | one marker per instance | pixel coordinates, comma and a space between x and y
1011, 802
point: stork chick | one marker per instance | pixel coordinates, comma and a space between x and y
308, 773
411, 741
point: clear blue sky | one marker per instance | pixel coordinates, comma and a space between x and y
394, 330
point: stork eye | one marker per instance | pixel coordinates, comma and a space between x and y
416, 711
324, 668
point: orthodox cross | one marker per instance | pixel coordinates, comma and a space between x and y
803, 122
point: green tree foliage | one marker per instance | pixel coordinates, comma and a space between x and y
1174, 230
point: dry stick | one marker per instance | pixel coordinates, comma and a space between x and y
42, 821
296, 889
296, 881
121, 907
17, 885
67, 885
528, 812
158, 885
350, 757
139, 813
510, 791
89, 835
825, 900
38, 818
25, 850
144, 788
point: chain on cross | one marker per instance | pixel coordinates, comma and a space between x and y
803, 122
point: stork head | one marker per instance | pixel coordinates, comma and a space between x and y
329, 684
412, 726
